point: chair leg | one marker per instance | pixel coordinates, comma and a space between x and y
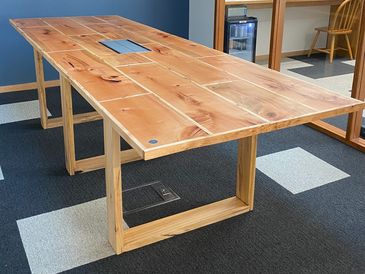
332, 49
314, 42
349, 46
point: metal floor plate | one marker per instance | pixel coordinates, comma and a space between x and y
147, 196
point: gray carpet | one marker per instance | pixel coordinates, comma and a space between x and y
320, 66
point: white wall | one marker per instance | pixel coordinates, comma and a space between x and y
201, 21
298, 29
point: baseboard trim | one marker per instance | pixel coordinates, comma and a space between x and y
283, 55
28, 86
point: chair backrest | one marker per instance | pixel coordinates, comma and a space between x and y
346, 14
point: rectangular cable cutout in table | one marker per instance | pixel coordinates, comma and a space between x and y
124, 46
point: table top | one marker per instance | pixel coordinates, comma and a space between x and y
180, 95
259, 3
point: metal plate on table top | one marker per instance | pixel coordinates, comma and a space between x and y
124, 46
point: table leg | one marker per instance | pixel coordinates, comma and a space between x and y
68, 121
246, 170
41, 88
68, 125
46, 122
113, 187
171, 226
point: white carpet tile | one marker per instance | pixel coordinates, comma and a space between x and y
298, 170
21, 111
288, 63
66, 238
341, 84
350, 62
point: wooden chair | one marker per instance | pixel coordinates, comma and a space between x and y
342, 23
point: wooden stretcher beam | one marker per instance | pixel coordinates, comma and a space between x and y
28, 86
180, 223
98, 162
78, 119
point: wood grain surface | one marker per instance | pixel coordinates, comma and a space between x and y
186, 46
205, 108
146, 118
187, 66
91, 42
301, 92
68, 26
260, 101
28, 23
48, 39
117, 60
87, 20
179, 95
115, 33
101, 81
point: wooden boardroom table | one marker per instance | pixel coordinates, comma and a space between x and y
178, 96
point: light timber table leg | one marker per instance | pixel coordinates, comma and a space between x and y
113, 187
68, 125
148, 233
68, 119
42, 98
41, 88
246, 170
